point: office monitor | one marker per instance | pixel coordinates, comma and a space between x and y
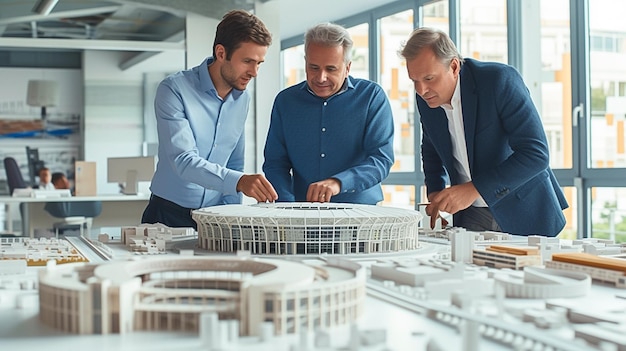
34, 165
130, 171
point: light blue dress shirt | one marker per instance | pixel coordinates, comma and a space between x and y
348, 136
201, 140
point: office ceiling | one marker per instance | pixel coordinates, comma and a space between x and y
151, 25
145, 20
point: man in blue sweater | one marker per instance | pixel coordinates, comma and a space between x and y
330, 137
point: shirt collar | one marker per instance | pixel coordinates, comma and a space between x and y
347, 84
456, 96
207, 83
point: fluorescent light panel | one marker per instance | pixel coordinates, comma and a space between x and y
44, 7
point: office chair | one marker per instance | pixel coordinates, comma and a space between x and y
16, 181
76, 215
14, 175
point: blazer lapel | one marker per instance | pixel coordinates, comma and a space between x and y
470, 104
437, 124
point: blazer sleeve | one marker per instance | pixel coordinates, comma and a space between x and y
520, 132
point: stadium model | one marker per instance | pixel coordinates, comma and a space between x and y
307, 228
173, 293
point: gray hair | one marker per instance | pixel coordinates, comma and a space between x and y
329, 34
438, 41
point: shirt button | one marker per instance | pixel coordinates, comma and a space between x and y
323, 155
323, 129
325, 103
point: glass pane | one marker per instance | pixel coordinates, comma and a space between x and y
394, 79
556, 86
293, 66
360, 51
483, 30
435, 15
571, 222
608, 213
608, 79
548, 75
402, 196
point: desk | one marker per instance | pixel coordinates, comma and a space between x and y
117, 210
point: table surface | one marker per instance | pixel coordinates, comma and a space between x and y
117, 209
102, 197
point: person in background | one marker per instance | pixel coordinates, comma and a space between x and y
60, 181
45, 179
201, 114
330, 137
482, 134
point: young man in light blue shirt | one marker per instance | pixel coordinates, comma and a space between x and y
201, 115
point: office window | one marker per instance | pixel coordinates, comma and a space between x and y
293, 65
402, 196
545, 55
484, 30
547, 73
607, 42
622, 89
608, 213
608, 103
571, 221
394, 30
435, 15
360, 51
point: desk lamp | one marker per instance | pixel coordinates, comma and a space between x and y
42, 93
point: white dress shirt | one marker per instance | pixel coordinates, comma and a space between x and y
454, 112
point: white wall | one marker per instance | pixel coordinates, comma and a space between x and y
267, 84
114, 119
199, 38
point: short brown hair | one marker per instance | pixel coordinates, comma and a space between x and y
237, 27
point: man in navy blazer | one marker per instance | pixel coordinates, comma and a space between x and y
482, 136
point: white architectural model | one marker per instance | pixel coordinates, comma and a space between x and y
157, 231
171, 294
237, 302
461, 245
605, 269
503, 256
541, 283
307, 228
38, 251
148, 238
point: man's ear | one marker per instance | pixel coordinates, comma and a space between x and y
455, 65
220, 52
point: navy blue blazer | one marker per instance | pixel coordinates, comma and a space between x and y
506, 147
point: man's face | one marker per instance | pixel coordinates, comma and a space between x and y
434, 81
325, 69
243, 64
45, 176
62, 183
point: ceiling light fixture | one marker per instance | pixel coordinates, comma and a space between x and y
44, 7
